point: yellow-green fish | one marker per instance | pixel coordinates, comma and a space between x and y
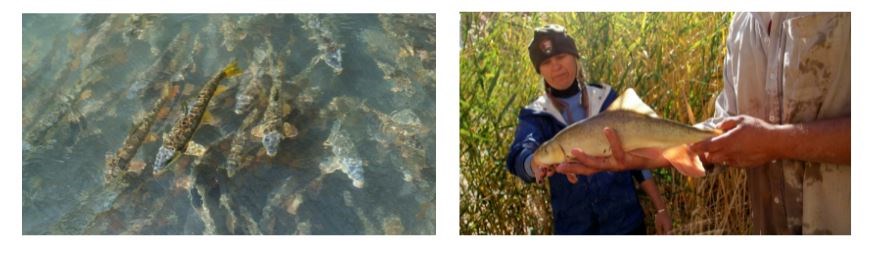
641, 131
177, 140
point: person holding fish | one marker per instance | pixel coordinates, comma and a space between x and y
601, 203
785, 113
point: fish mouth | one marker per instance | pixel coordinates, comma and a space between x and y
353, 167
333, 59
358, 184
162, 158
271, 141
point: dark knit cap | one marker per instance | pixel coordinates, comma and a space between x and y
548, 41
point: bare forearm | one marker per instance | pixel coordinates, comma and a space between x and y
827, 141
650, 188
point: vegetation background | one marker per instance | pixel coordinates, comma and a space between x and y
673, 60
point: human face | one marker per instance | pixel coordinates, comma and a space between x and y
559, 71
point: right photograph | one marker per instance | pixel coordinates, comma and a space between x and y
670, 123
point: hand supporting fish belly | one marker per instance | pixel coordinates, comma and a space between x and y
648, 142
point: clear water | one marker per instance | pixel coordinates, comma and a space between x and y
361, 161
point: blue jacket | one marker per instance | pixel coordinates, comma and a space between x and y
604, 203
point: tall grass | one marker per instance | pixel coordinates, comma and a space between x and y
673, 60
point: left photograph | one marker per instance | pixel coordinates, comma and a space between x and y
177, 124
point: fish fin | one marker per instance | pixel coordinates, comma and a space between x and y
151, 137
685, 161
258, 131
289, 130
136, 165
648, 153
85, 94
208, 119
220, 89
287, 109
195, 149
704, 127
629, 101
231, 69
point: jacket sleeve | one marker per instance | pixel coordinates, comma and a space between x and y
641, 175
528, 137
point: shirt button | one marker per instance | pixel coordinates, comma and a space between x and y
774, 119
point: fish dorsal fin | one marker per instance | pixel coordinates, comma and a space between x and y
208, 118
220, 89
258, 131
289, 130
629, 101
195, 149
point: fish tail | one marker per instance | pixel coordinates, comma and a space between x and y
232, 69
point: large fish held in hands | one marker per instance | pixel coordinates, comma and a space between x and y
177, 141
641, 131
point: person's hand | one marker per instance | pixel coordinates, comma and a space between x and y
541, 171
618, 161
746, 142
663, 223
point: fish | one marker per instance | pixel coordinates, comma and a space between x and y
330, 50
274, 129
177, 141
105, 30
245, 97
402, 127
164, 67
138, 26
117, 163
38, 74
236, 156
235, 31
345, 158
63, 102
642, 133
332, 57
400, 134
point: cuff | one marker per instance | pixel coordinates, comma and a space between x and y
527, 166
646, 174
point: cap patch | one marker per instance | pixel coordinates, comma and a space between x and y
546, 46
